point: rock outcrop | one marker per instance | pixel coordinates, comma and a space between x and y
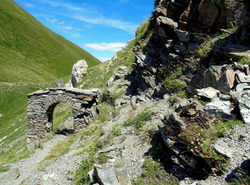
78, 70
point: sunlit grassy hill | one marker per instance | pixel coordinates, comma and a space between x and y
30, 52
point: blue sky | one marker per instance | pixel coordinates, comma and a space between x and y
101, 27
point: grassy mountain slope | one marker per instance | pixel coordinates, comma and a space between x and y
30, 52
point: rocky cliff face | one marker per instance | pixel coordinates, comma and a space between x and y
204, 41
200, 47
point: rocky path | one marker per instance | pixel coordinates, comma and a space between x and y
26, 171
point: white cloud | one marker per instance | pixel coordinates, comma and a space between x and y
29, 5
52, 21
126, 26
64, 5
116, 46
67, 27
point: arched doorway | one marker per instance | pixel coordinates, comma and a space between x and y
63, 119
42, 104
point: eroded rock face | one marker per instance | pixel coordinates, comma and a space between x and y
78, 70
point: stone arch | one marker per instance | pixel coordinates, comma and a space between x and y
41, 105
51, 113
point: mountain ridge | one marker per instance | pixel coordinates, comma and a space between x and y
31, 52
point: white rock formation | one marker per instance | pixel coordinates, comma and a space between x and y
78, 70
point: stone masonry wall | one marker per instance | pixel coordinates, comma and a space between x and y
41, 105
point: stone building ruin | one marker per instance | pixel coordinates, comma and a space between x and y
41, 105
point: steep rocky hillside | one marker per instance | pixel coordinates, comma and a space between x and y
32, 53
174, 107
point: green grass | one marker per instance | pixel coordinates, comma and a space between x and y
199, 139
139, 120
154, 174
81, 176
245, 60
116, 130
60, 149
13, 106
32, 53
174, 83
16, 153
61, 112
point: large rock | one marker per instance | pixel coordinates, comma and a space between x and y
66, 124
167, 21
244, 104
208, 13
60, 83
105, 175
223, 148
242, 77
212, 75
226, 81
10, 176
123, 178
219, 108
78, 70
220, 78
120, 73
184, 36
208, 92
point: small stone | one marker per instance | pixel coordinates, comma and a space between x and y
226, 81
242, 87
222, 147
208, 92
123, 178
34, 145
60, 83
184, 36
120, 102
167, 21
244, 104
105, 175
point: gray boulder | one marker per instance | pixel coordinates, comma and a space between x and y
167, 21
184, 36
219, 108
219, 77
205, 8
208, 92
66, 124
123, 177
226, 81
223, 148
60, 83
242, 77
212, 75
242, 87
105, 175
10, 176
244, 104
